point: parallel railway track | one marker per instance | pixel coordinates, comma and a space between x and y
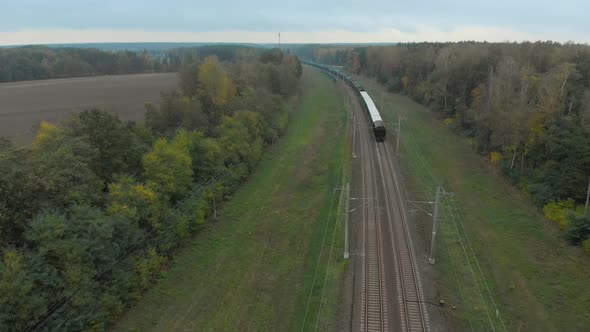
410, 299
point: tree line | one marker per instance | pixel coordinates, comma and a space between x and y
42, 62
91, 212
524, 105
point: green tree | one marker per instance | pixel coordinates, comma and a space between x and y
241, 140
176, 112
560, 161
189, 80
19, 192
206, 154
168, 169
116, 144
84, 253
62, 169
207, 159
579, 229
19, 298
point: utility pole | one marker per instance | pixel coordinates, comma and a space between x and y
346, 213
587, 198
382, 101
399, 132
435, 224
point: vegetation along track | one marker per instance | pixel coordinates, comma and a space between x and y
388, 255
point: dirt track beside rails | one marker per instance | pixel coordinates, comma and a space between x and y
24, 104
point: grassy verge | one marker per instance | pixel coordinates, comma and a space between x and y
536, 281
256, 266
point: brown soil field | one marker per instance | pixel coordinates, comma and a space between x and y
23, 105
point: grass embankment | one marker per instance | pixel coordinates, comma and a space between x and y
538, 281
255, 267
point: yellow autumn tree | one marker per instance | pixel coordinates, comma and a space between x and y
132, 200
48, 133
215, 82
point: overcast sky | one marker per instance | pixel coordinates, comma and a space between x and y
299, 21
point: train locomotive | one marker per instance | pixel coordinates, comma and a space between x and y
366, 101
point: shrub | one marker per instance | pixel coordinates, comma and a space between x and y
495, 158
556, 211
149, 268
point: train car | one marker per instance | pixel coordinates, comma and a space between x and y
368, 104
359, 88
376, 121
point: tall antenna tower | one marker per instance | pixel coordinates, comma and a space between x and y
279, 40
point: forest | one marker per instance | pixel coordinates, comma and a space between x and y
525, 106
92, 213
43, 62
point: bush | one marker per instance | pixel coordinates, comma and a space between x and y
495, 158
149, 268
556, 211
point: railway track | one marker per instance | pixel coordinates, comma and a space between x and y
374, 311
390, 278
413, 315
378, 172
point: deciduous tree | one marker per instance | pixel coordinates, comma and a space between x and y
168, 169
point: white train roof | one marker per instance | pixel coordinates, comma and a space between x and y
373, 112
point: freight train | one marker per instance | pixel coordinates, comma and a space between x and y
366, 101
